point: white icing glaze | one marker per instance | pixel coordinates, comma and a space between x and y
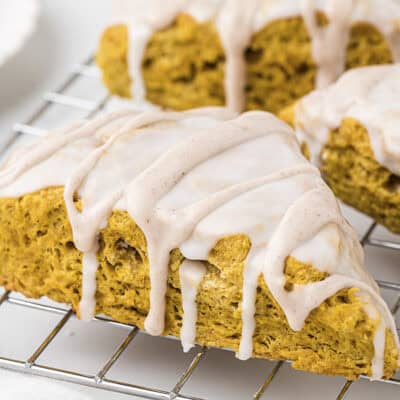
371, 95
87, 305
189, 179
379, 346
234, 42
190, 273
329, 43
379, 339
237, 21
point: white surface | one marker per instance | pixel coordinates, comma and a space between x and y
18, 20
25, 387
67, 32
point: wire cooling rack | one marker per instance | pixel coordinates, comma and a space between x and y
61, 97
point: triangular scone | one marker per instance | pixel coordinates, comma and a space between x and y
199, 224
248, 55
351, 130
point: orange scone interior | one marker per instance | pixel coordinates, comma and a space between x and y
202, 225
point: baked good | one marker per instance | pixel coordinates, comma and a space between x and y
258, 54
201, 225
351, 130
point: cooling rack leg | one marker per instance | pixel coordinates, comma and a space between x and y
186, 375
48, 340
264, 386
367, 234
4, 297
344, 390
121, 348
396, 306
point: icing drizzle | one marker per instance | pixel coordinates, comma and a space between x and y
329, 43
188, 179
237, 21
190, 273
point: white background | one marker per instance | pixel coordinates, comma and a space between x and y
67, 33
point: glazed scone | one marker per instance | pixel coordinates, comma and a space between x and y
258, 54
203, 225
351, 129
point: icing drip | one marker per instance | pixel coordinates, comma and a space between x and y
379, 351
252, 271
329, 43
371, 96
384, 15
190, 273
235, 41
236, 22
87, 224
139, 34
188, 179
138, 39
87, 305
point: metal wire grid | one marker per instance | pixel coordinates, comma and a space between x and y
100, 380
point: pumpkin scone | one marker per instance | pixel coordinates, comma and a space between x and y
203, 225
248, 55
351, 130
